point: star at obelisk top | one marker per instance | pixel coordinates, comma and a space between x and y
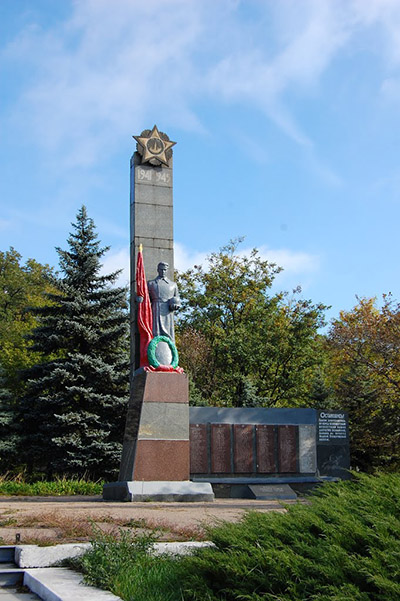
154, 146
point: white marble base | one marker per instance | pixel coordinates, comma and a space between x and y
170, 491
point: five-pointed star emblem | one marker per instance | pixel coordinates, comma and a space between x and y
154, 146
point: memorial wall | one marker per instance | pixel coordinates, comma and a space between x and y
257, 443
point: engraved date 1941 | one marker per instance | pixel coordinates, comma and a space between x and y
158, 177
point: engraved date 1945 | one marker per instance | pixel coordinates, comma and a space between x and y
158, 177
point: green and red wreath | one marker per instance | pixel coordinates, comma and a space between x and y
151, 351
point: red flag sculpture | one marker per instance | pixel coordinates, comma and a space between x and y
145, 316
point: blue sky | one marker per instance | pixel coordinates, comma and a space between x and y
285, 113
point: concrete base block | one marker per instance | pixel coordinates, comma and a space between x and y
266, 492
163, 491
32, 556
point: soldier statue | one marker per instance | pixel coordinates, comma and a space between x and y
164, 297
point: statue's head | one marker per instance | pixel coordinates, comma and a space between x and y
162, 269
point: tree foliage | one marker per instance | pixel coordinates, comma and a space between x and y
364, 372
241, 344
73, 410
21, 286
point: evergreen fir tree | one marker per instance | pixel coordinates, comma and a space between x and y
248, 396
74, 409
9, 438
321, 395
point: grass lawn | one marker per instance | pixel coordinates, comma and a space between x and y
17, 486
343, 546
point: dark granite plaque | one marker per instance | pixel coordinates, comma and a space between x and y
221, 448
332, 427
243, 448
198, 449
265, 437
287, 449
333, 449
334, 461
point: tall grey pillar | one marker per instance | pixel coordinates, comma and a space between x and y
151, 214
155, 462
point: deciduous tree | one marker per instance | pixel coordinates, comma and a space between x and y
364, 371
256, 347
21, 286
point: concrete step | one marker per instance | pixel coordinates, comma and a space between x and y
11, 577
6, 553
7, 594
61, 584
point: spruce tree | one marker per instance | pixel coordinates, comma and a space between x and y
9, 439
74, 408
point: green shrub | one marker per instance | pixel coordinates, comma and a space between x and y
342, 546
345, 545
124, 566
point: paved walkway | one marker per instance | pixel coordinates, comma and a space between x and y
14, 594
67, 519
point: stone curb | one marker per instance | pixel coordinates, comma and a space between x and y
33, 556
186, 548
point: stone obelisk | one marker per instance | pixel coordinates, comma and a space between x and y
155, 462
151, 211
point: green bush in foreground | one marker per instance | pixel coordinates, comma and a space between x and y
343, 546
127, 569
16, 485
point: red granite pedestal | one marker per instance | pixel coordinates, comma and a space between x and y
156, 448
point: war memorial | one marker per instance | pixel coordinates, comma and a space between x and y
175, 453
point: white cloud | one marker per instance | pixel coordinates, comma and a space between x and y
186, 258
293, 262
120, 259
100, 73
299, 268
112, 65
385, 15
115, 260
